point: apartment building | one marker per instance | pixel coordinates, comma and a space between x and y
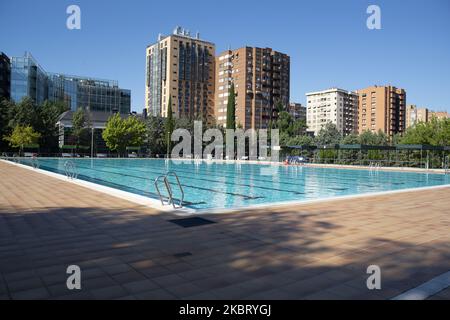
382, 108
180, 66
261, 78
297, 111
440, 114
334, 105
415, 115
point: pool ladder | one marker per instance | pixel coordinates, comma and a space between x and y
70, 169
374, 166
446, 164
170, 199
35, 163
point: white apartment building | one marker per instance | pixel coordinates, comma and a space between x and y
333, 105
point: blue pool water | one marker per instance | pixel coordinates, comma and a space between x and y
226, 185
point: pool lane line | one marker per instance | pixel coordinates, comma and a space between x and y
209, 180
348, 180
332, 189
341, 186
121, 187
245, 197
201, 179
236, 194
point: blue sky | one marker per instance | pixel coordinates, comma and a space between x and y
328, 41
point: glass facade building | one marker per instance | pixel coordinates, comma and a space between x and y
95, 94
29, 79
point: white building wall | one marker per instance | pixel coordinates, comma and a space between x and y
328, 106
323, 107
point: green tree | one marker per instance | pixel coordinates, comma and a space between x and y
22, 136
231, 109
169, 126
285, 123
25, 113
279, 107
436, 132
299, 127
373, 139
5, 106
352, 138
303, 140
49, 114
122, 133
42, 118
156, 141
328, 135
80, 123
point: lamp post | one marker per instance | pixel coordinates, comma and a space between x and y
92, 131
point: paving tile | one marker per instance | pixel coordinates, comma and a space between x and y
117, 268
184, 289
128, 276
25, 284
158, 294
31, 294
169, 280
75, 295
140, 286
130, 251
96, 283
112, 292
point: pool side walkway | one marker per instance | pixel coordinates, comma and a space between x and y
128, 251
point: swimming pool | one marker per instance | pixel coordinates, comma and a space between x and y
228, 185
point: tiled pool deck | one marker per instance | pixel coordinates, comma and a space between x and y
128, 251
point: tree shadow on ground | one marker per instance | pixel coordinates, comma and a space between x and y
127, 254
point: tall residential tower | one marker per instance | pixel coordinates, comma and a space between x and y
382, 108
261, 78
180, 66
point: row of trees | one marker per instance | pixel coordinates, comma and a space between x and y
436, 132
26, 123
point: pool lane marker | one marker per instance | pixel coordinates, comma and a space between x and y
427, 289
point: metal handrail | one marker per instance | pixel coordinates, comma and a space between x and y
161, 197
173, 173
35, 163
70, 169
170, 199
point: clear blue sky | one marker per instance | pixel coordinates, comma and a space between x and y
328, 41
